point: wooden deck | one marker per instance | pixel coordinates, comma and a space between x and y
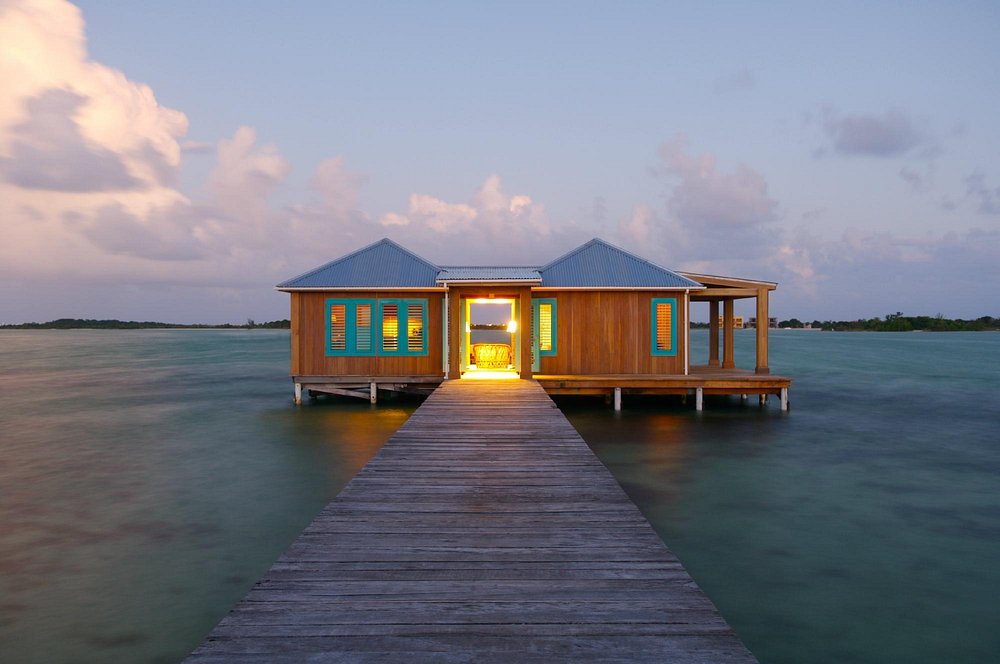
485, 530
700, 381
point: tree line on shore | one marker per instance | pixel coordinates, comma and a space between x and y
90, 324
897, 322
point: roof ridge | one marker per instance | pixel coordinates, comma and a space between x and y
345, 257
637, 257
614, 253
570, 253
615, 247
493, 267
408, 252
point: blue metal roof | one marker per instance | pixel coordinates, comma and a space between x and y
383, 264
598, 264
488, 273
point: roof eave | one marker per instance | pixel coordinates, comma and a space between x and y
729, 281
486, 282
623, 288
294, 289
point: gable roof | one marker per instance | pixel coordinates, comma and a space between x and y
598, 264
383, 264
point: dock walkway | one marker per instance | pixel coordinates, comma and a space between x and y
485, 530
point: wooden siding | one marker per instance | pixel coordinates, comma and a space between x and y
608, 332
309, 356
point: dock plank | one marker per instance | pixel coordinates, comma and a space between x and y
485, 530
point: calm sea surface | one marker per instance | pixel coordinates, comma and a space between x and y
147, 478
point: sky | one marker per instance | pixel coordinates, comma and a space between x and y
174, 160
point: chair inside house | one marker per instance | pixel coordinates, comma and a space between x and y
491, 356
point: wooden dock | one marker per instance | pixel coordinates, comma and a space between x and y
701, 381
485, 530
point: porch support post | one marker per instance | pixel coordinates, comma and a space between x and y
763, 322
298, 394
618, 398
784, 398
524, 327
455, 364
699, 398
728, 332
373, 392
713, 333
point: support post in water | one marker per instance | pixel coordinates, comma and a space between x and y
298, 394
373, 394
699, 398
618, 398
784, 398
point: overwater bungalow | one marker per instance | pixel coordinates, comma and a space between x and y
597, 320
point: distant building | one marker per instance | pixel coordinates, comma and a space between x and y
771, 323
737, 322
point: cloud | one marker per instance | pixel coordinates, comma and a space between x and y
988, 198
705, 196
337, 185
709, 213
47, 150
887, 135
915, 180
232, 236
171, 234
638, 229
491, 226
741, 80
197, 147
88, 163
245, 168
834, 278
88, 167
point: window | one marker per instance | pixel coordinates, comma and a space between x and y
664, 326
544, 335
352, 323
545, 312
349, 327
403, 327
390, 328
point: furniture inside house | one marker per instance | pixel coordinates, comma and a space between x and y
491, 356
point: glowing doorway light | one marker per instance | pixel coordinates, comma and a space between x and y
491, 300
512, 326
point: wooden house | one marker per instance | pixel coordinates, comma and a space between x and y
597, 320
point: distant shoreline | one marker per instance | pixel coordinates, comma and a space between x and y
896, 322
891, 323
90, 324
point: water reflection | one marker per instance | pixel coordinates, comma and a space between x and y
145, 495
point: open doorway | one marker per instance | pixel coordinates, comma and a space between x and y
490, 347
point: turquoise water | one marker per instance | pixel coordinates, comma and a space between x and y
864, 526
147, 478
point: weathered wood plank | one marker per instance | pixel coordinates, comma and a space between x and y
484, 531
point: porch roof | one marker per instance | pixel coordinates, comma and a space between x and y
489, 273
